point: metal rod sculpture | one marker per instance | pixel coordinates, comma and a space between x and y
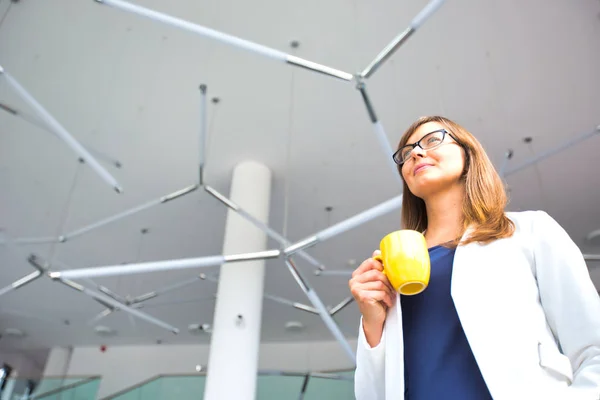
108, 298
137, 302
320, 307
288, 249
110, 302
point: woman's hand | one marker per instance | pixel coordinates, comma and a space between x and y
374, 295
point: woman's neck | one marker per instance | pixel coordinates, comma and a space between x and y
444, 216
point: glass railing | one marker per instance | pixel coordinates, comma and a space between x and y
20, 388
82, 390
271, 385
311, 386
49, 384
66, 388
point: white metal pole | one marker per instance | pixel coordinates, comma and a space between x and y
138, 268
202, 139
117, 305
21, 282
61, 131
36, 122
228, 39
360, 219
296, 305
346, 225
320, 307
263, 227
384, 141
129, 212
395, 44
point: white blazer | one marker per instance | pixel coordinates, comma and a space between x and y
529, 310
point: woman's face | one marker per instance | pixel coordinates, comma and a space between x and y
428, 172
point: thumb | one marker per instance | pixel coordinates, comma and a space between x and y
376, 253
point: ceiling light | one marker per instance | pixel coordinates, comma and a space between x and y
593, 237
294, 326
104, 331
14, 332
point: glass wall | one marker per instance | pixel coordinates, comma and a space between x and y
270, 386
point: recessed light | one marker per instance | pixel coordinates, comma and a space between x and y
593, 237
104, 331
14, 332
294, 326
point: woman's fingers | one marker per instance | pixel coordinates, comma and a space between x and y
372, 290
384, 296
367, 265
372, 276
376, 285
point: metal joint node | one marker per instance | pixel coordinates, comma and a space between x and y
54, 275
360, 82
308, 242
36, 263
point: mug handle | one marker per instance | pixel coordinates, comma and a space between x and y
378, 258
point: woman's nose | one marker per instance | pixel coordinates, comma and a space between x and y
417, 152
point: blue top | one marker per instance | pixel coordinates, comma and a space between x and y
439, 363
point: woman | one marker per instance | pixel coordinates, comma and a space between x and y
510, 311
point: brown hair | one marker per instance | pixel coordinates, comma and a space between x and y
485, 197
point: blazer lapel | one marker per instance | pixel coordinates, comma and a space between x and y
394, 353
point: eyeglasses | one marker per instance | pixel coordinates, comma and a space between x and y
427, 142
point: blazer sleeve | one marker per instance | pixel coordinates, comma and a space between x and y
569, 299
369, 377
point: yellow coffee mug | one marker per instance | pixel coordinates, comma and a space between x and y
405, 260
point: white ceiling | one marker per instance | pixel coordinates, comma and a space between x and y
128, 87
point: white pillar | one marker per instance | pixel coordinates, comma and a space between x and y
234, 347
57, 363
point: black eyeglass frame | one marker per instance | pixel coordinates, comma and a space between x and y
398, 152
